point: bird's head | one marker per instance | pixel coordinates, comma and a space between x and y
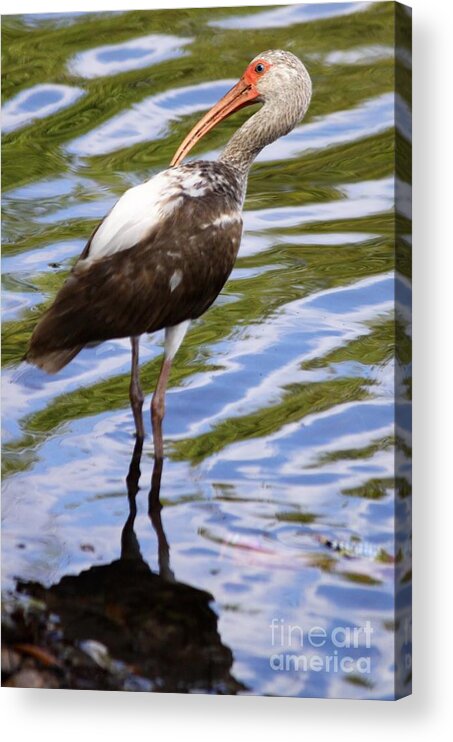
276, 78
277, 75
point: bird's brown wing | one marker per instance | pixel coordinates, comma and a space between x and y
172, 274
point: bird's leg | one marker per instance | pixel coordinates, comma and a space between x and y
158, 408
173, 338
135, 391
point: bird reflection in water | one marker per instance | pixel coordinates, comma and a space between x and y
164, 631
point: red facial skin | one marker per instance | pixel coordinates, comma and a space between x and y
251, 76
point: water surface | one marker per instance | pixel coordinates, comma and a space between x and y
278, 489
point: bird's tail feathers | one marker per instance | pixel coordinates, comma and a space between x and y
51, 361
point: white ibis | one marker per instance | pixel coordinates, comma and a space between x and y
163, 253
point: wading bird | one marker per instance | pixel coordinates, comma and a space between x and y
161, 256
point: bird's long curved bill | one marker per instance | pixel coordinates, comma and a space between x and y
242, 94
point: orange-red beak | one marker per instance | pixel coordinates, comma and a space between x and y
242, 94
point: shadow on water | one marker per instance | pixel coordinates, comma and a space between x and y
164, 631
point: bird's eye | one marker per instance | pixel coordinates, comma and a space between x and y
259, 67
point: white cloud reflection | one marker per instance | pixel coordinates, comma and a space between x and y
112, 59
288, 15
36, 103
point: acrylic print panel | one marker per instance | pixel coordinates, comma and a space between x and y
269, 551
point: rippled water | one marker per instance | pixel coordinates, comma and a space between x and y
278, 488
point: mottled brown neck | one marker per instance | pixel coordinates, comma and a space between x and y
261, 129
246, 143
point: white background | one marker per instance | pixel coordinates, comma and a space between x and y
78, 715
